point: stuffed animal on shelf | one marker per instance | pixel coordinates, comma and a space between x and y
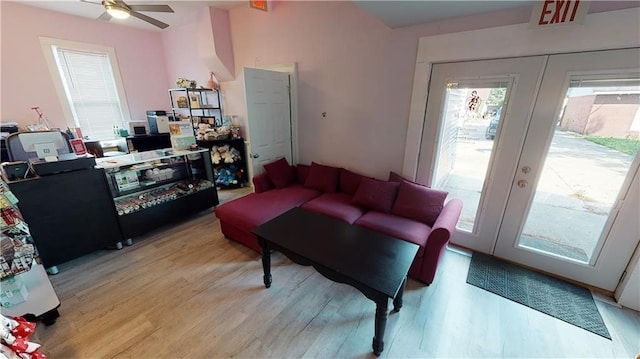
225, 153
226, 176
215, 155
235, 154
202, 130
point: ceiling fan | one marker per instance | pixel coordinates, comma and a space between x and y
120, 10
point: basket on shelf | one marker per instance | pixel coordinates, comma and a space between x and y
213, 135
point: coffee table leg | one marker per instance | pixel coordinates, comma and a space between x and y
380, 326
266, 263
397, 301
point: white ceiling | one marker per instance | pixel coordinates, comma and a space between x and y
394, 13
405, 13
184, 11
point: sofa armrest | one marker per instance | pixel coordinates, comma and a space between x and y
441, 232
446, 222
261, 183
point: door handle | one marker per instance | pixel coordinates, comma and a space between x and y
255, 155
522, 183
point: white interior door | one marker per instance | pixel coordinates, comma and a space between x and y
268, 116
556, 186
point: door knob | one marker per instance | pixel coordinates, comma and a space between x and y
255, 155
522, 183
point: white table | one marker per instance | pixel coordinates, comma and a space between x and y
42, 302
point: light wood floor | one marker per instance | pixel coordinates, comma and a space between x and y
187, 292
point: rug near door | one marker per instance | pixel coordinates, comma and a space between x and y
557, 298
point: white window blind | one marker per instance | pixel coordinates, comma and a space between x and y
90, 88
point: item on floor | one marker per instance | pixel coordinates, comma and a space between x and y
552, 296
14, 335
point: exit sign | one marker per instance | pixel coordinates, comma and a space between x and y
258, 4
550, 13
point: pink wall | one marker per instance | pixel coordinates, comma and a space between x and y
221, 28
26, 81
351, 66
181, 55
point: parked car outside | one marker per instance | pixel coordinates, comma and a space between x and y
492, 129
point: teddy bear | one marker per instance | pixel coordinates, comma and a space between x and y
225, 153
215, 155
235, 154
202, 129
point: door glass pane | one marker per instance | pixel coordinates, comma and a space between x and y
593, 147
471, 116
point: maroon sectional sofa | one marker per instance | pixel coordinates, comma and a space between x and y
398, 208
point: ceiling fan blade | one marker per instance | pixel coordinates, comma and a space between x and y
92, 2
150, 20
153, 8
104, 17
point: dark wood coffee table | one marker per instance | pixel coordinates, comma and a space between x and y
371, 262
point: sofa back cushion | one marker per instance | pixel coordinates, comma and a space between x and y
419, 202
302, 172
375, 194
280, 173
394, 177
261, 183
322, 178
349, 181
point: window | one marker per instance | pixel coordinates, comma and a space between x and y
88, 83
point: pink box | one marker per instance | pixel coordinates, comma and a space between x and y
78, 146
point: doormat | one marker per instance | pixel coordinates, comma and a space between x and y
557, 298
554, 247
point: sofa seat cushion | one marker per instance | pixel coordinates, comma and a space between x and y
255, 209
336, 205
399, 227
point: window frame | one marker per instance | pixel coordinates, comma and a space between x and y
47, 44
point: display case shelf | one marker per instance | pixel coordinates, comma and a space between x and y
159, 195
152, 188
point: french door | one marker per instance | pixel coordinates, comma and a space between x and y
543, 152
